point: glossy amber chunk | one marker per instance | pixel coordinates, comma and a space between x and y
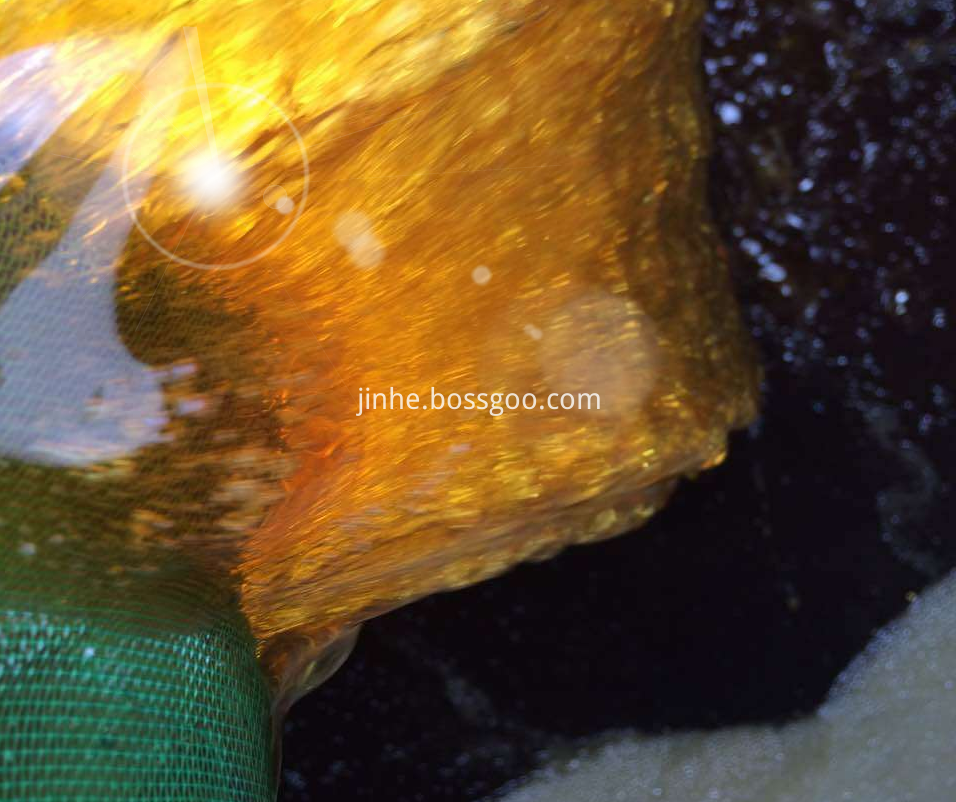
502, 197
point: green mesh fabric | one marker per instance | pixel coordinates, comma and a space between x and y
127, 671
155, 698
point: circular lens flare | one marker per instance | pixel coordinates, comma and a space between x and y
211, 180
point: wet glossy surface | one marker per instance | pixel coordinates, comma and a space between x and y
220, 221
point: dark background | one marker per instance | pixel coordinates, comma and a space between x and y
834, 183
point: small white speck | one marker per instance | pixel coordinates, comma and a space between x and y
729, 113
27, 549
481, 275
870, 151
773, 272
902, 297
190, 406
533, 332
794, 220
88, 652
459, 448
182, 370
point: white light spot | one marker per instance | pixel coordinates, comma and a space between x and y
771, 271
729, 113
481, 275
533, 332
794, 220
354, 232
27, 549
211, 180
276, 198
190, 406
88, 652
584, 352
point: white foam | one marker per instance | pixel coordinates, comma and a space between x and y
887, 733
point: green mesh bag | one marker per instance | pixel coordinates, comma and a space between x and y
155, 698
127, 670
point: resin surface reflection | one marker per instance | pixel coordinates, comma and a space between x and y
487, 198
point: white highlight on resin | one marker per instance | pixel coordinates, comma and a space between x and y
481, 275
600, 343
354, 232
276, 198
533, 332
211, 180
398, 20
41, 87
887, 733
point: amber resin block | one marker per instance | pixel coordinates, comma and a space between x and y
213, 240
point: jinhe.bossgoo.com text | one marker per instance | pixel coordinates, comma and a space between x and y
495, 404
